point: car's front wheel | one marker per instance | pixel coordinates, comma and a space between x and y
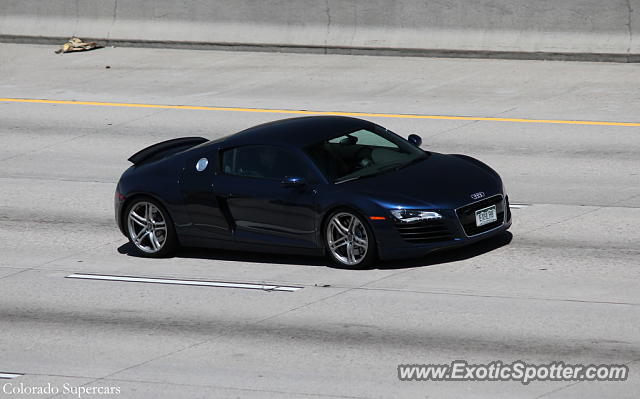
349, 240
150, 228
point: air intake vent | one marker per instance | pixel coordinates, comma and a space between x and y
424, 231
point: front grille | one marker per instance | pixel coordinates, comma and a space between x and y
424, 231
467, 215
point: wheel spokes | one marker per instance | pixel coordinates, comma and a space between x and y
347, 238
154, 241
140, 220
148, 232
360, 242
143, 234
352, 224
340, 227
338, 243
351, 257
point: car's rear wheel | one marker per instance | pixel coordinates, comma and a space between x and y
349, 240
150, 228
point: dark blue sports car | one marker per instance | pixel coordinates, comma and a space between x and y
314, 185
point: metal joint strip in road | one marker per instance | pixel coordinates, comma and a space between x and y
201, 283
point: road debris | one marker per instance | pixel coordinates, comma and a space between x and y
76, 44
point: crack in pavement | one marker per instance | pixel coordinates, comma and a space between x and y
585, 213
630, 12
91, 132
222, 334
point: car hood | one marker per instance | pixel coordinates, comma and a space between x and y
439, 181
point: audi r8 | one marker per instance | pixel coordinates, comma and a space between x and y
339, 186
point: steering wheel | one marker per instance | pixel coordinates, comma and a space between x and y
365, 154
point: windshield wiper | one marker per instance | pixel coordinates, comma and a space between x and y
397, 165
413, 161
385, 168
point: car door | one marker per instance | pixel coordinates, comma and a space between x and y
206, 209
261, 208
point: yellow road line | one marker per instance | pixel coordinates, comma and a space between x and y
306, 112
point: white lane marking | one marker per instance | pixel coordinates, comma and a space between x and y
519, 206
248, 286
8, 376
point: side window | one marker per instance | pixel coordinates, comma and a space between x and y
265, 162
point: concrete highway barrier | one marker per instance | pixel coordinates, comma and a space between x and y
546, 29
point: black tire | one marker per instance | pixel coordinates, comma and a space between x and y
152, 233
353, 239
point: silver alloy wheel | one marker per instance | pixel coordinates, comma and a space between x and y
147, 227
347, 238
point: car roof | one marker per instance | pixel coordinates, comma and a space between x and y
297, 132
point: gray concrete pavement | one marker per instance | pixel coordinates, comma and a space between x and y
563, 287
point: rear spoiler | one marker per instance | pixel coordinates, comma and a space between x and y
164, 148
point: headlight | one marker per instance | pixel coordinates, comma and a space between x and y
408, 215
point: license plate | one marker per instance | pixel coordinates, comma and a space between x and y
486, 216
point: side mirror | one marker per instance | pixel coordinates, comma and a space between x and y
415, 140
292, 181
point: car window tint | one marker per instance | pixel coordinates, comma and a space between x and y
362, 153
364, 137
265, 162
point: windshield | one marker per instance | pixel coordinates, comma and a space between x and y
362, 153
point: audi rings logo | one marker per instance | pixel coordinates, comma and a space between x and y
478, 195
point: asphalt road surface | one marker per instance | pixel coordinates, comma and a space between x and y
563, 285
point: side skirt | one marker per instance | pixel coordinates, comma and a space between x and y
194, 241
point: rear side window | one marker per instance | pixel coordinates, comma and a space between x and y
266, 162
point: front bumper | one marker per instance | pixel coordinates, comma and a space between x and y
391, 245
